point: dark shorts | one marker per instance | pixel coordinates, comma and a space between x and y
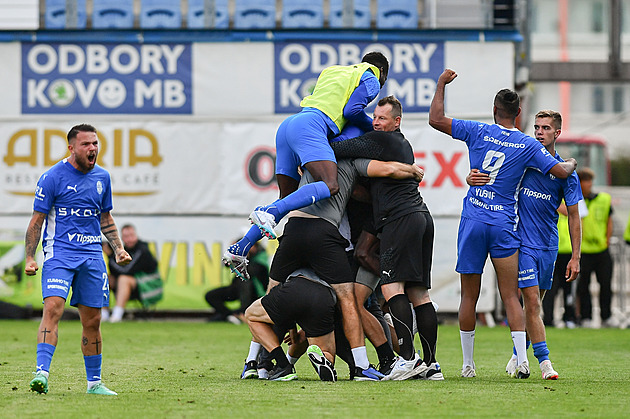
407, 249
312, 243
301, 301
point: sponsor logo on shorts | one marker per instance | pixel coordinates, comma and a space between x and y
57, 283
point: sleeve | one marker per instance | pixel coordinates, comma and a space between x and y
348, 132
464, 130
541, 159
572, 190
45, 192
362, 166
106, 203
366, 91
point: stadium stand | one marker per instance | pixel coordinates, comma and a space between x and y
397, 14
358, 16
255, 14
19, 14
165, 14
112, 14
208, 14
303, 14
58, 16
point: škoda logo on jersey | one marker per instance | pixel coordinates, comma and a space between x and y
132, 156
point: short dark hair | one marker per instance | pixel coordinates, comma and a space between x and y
507, 102
555, 116
396, 105
377, 59
75, 130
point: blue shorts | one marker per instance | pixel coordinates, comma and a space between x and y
302, 138
535, 267
86, 276
476, 239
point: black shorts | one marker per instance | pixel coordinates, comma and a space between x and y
312, 243
407, 249
301, 301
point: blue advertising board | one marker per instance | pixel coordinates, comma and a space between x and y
413, 72
104, 78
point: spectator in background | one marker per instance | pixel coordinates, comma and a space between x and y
246, 291
626, 234
597, 228
559, 282
122, 279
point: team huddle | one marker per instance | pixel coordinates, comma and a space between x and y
355, 256
313, 271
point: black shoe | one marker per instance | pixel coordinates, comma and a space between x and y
323, 366
283, 374
250, 370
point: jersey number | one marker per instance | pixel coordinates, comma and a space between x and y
493, 166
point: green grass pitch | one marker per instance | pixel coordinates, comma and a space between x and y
192, 369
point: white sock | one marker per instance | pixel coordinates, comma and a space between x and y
42, 372
292, 360
468, 347
254, 348
519, 339
93, 383
360, 357
118, 312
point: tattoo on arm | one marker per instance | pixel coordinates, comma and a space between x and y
84, 341
33, 234
108, 228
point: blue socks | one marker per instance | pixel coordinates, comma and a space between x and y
303, 197
45, 353
242, 246
93, 367
540, 351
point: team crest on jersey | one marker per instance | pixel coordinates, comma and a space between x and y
99, 187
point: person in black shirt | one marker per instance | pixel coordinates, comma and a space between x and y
406, 233
122, 279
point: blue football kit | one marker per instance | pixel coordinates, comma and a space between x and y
73, 255
539, 198
489, 215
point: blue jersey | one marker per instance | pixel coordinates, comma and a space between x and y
74, 202
504, 154
539, 198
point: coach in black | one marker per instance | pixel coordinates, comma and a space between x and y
406, 250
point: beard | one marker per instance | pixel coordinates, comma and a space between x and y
85, 165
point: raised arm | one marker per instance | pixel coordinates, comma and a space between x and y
33, 234
395, 170
437, 119
575, 232
110, 231
564, 169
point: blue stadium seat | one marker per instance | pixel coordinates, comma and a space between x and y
112, 14
362, 14
197, 14
255, 14
55, 15
302, 14
397, 14
160, 14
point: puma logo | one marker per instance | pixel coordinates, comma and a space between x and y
73, 188
388, 273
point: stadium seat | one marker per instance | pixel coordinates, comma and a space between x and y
302, 14
362, 17
200, 14
108, 14
397, 14
165, 14
255, 14
55, 16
